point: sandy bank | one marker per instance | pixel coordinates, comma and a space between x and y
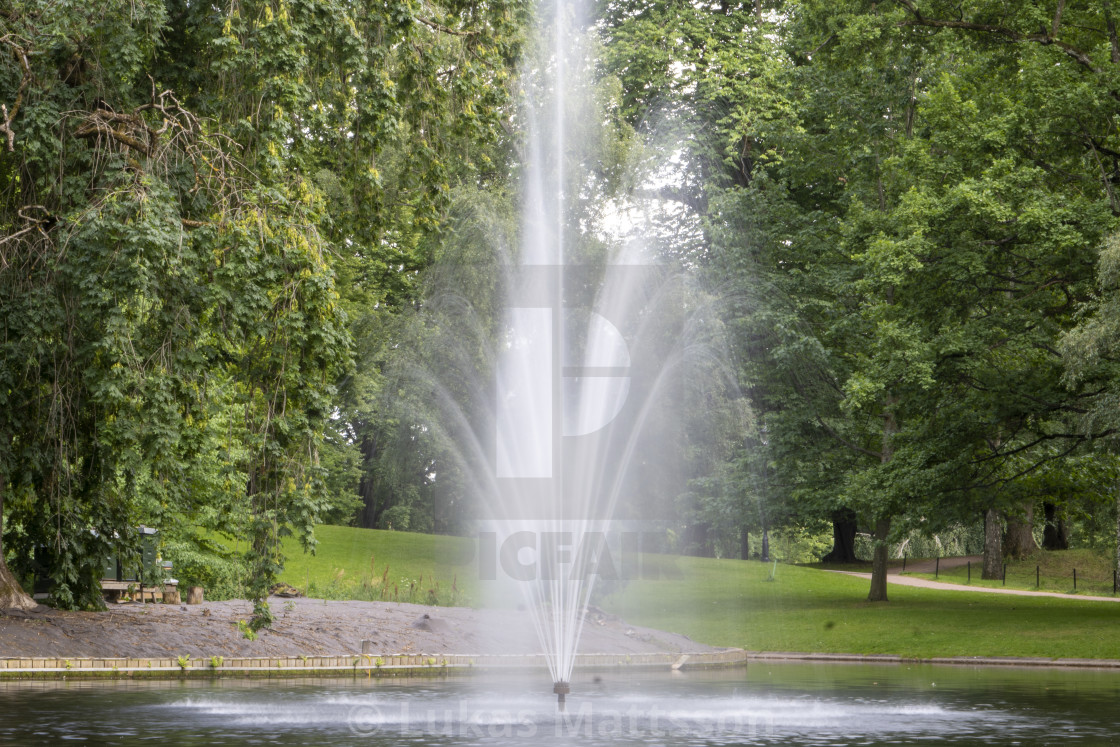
308, 627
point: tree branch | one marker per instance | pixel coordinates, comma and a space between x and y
1077, 438
1057, 18
32, 224
21, 56
95, 127
131, 129
1113, 39
1011, 34
441, 28
854, 447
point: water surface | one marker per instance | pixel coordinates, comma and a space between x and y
782, 703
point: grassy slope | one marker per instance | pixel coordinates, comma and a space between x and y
351, 563
731, 602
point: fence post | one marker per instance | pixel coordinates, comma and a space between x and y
904, 563
1075, 579
1114, 580
1005, 574
937, 567
970, 571
1036, 578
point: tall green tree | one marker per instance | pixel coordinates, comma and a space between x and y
909, 237
185, 187
972, 222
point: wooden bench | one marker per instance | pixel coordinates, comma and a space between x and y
168, 591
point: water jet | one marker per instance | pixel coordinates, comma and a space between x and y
587, 352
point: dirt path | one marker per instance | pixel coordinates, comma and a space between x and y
894, 577
929, 566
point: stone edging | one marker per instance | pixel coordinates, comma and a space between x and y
366, 665
413, 665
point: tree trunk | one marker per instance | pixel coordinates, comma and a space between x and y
993, 546
12, 595
369, 516
1110, 24
879, 562
1118, 531
843, 537
744, 544
701, 540
1055, 535
878, 591
1018, 541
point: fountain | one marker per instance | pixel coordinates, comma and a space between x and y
570, 402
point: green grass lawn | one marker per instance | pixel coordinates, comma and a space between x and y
732, 603
373, 564
1055, 573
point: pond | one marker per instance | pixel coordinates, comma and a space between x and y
766, 703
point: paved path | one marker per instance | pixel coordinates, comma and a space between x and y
947, 563
929, 566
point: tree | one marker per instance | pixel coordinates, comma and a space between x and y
1090, 351
992, 211
923, 237
11, 595
184, 184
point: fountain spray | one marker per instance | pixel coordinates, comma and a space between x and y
567, 418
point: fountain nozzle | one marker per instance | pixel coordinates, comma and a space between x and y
561, 689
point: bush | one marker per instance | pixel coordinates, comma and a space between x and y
212, 567
396, 518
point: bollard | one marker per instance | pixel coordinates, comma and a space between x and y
1036, 584
1075, 579
937, 566
970, 571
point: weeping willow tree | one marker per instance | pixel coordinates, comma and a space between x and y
194, 196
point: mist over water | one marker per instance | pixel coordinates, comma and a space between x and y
775, 704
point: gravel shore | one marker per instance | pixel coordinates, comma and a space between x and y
309, 627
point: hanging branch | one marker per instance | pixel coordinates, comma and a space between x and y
102, 121
132, 130
9, 116
32, 224
179, 135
